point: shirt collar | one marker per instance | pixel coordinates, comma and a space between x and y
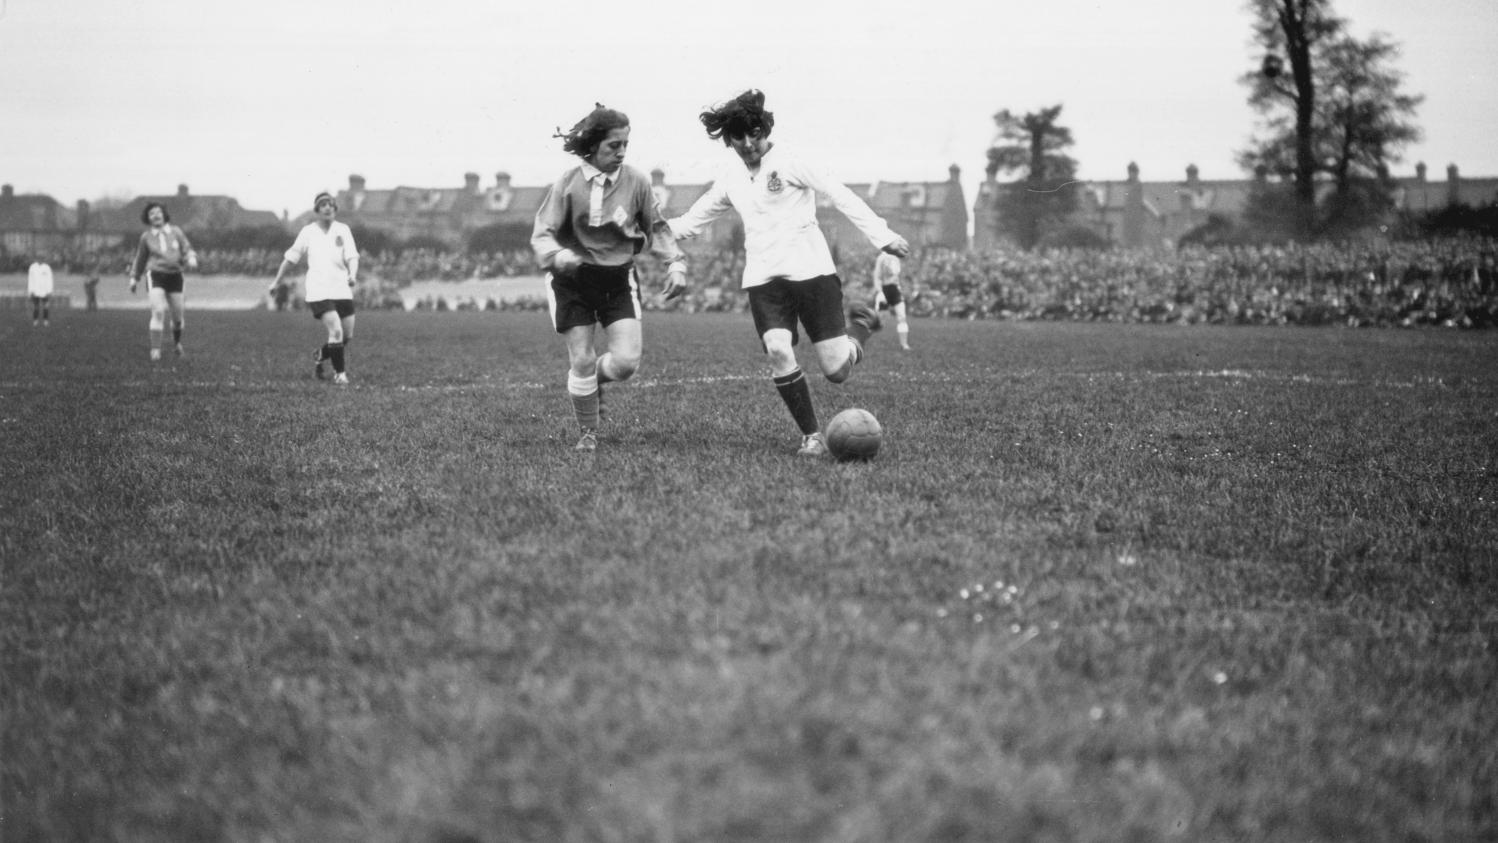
591, 172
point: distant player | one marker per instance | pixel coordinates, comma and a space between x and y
788, 272
39, 288
332, 273
590, 226
162, 253
889, 296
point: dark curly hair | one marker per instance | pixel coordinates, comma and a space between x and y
583, 139
145, 213
741, 116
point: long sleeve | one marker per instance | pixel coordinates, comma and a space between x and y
856, 210
142, 254
708, 207
661, 240
550, 219
183, 244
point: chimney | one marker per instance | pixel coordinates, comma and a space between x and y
471, 183
954, 173
502, 180
1453, 185
1420, 172
356, 183
1192, 175
182, 191
82, 214
1133, 172
657, 177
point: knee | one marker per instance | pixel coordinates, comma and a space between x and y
583, 365
782, 356
623, 367
840, 373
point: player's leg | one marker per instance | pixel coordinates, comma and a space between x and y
333, 349
179, 319
838, 340
157, 325
619, 310
895, 300
773, 307
339, 354
582, 383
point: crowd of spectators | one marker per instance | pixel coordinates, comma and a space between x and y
1426, 282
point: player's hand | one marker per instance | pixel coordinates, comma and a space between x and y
676, 284
192, 261
274, 285
879, 301
352, 281
566, 262
898, 247
133, 282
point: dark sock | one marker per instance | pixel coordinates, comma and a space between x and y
177, 333
334, 351
797, 397
585, 407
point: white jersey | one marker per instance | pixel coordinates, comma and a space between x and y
779, 207
331, 258
886, 271
39, 280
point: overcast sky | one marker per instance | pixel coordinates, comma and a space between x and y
271, 101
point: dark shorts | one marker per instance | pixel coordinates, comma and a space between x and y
892, 295
168, 281
602, 294
40, 299
816, 302
345, 307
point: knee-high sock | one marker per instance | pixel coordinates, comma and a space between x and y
584, 392
797, 397
335, 353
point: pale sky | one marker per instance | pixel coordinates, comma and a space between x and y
271, 101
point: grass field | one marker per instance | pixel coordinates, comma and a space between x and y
1104, 583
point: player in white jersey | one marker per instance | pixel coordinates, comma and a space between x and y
889, 296
332, 273
788, 271
39, 288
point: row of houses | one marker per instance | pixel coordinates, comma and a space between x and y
1130, 212
35, 223
1137, 213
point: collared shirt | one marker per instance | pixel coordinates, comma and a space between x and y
332, 259
163, 249
598, 181
778, 205
629, 219
39, 280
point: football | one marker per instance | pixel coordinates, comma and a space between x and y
854, 434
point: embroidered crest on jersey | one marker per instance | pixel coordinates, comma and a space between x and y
620, 216
774, 184
338, 241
